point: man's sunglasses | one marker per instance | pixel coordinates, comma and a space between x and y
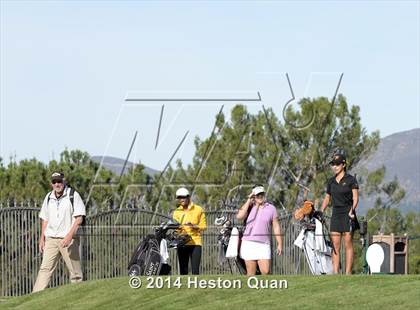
57, 181
336, 163
181, 197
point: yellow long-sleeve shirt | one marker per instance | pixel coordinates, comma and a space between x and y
194, 215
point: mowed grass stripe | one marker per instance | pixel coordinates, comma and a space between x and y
303, 292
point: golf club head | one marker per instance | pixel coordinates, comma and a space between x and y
220, 220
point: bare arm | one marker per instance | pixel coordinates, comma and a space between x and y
355, 192
355, 198
325, 202
243, 211
44, 225
277, 234
75, 226
67, 239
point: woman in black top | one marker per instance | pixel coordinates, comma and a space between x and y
343, 192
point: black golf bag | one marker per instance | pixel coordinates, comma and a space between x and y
146, 259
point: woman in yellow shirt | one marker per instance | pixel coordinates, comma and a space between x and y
193, 222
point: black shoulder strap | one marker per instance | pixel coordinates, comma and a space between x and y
247, 214
71, 196
48, 199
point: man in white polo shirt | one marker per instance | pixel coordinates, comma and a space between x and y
61, 214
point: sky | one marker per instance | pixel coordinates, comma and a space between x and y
67, 69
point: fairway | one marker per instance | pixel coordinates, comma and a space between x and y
302, 292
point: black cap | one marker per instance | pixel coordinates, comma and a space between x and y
57, 176
338, 159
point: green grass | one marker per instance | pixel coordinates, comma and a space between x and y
303, 292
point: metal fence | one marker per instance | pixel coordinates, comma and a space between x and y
107, 243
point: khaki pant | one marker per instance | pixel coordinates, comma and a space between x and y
52, 251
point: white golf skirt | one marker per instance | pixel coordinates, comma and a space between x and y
253, 250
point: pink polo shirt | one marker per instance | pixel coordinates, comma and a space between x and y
259, 223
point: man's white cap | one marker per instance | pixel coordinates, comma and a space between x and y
258, 190
183, 192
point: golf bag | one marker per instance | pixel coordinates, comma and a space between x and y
146, 259
316, 247
150, 256
223, 241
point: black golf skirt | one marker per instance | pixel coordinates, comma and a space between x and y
340, 220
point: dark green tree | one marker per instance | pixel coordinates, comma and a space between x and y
285, 157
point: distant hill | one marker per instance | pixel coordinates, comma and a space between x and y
115, 165
400, 153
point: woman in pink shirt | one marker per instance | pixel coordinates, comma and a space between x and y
261, 218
